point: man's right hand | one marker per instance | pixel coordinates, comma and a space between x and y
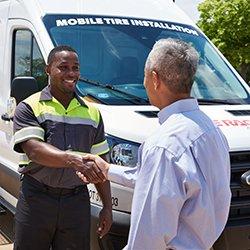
95, 169
48, 155
88, 169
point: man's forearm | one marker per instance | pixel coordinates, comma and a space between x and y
103, 189
122, 175
50, 156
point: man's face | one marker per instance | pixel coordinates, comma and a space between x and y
149, 86
64, 71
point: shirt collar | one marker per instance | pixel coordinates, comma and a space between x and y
47, 96
180, 106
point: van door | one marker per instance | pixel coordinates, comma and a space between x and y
23, 57
4, 12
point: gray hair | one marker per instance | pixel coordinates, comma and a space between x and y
175, 62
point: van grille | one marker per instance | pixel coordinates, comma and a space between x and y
239, 112
240, 204
149, 114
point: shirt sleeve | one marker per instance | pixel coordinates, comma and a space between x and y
100, 145
125, 176
159, 196
25, 126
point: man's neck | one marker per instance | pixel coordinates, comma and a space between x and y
171, 99
63, 98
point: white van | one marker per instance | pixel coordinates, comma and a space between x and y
113, 39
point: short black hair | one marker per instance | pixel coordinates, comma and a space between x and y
59, 49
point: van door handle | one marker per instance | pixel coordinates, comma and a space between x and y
245, 178
6, 117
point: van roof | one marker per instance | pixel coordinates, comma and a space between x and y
151, 9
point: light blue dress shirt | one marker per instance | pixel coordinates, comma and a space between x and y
181, 182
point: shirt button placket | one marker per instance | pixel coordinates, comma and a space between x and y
67, 133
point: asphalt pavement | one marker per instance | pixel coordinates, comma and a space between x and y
6, 230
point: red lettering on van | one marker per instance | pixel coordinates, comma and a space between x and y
234, 123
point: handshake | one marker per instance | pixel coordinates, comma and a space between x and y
92, 169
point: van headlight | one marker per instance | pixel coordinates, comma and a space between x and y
122, 152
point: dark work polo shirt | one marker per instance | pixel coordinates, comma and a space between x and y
79, 129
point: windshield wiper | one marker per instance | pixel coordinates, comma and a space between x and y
135, 99
217, 101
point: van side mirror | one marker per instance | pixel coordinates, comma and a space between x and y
22, 87
11, 106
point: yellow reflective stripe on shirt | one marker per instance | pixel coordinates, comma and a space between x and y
33, 102
93, 112
54, 107
23, 159
65, 119
100, 148
27, 133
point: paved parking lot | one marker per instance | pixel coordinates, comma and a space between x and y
6, 231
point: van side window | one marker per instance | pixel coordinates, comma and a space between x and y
27, 58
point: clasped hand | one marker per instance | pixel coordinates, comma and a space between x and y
94, 169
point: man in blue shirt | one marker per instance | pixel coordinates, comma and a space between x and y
182, 180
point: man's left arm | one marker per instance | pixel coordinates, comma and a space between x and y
105, 216
101, 148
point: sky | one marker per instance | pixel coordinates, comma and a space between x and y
190, 7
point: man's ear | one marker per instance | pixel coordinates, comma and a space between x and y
47, 69
156, 79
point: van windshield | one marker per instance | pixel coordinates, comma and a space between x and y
112, 53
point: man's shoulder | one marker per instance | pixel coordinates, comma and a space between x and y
89, 104
32, 99
29, 102
177, 134
92, 109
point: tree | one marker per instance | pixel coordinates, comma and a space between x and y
227, 24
